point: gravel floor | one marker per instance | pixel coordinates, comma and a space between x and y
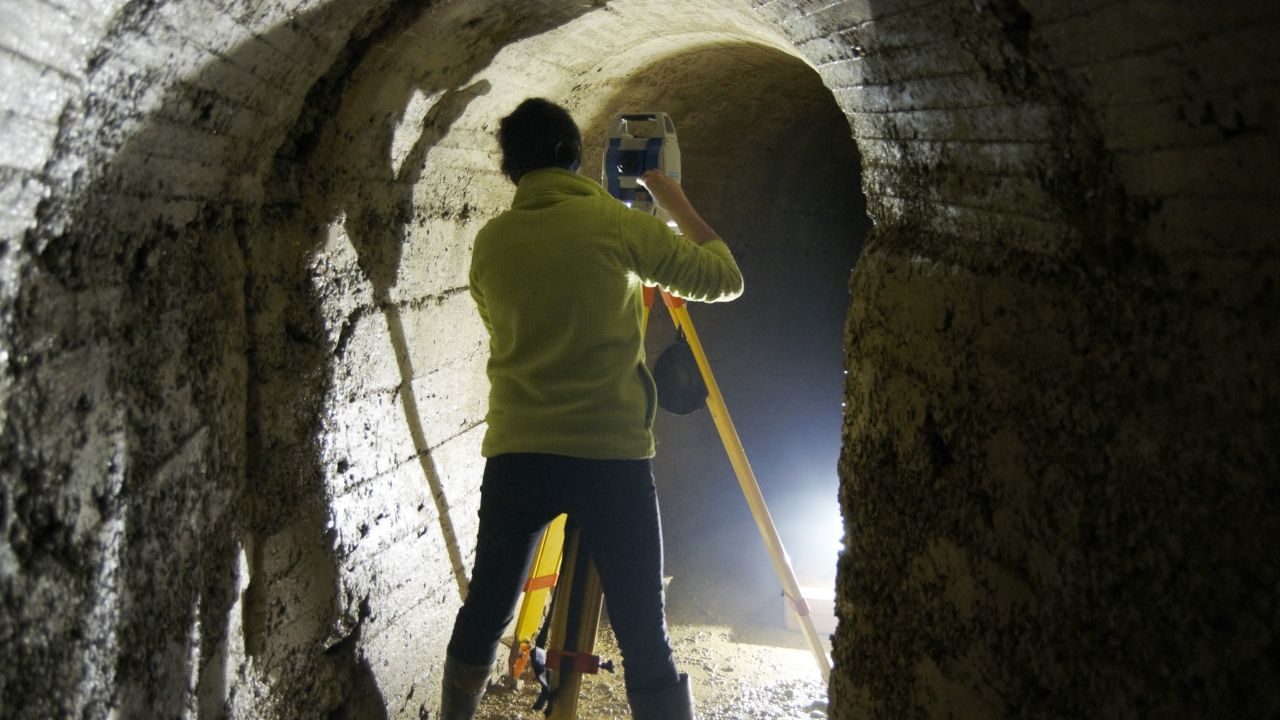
732, 679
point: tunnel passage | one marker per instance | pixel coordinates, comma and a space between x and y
768, 160
231, 255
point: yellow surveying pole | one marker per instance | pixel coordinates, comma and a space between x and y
750, 488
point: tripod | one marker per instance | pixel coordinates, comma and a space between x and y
574, 618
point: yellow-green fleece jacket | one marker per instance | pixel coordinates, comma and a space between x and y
557, 280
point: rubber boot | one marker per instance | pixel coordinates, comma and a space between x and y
463, 687
672, 703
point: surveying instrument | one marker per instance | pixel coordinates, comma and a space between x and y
559, 643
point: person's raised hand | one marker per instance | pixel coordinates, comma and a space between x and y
670, 197
665, 191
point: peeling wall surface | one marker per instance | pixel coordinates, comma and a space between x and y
242, 382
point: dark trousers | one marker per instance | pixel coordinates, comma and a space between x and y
615, 506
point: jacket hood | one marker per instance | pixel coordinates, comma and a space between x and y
549, 186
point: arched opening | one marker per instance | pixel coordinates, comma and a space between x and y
779, 181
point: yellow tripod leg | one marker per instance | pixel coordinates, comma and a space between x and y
537, 593
750, 487
574, 625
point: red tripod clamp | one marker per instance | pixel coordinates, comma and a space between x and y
584, 663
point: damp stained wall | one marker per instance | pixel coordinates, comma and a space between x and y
241, 388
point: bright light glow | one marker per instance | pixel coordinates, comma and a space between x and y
813, 532
821, 600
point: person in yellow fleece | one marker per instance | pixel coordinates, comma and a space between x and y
557, 281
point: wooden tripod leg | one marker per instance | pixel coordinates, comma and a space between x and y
574, 623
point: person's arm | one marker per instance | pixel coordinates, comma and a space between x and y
669, 196
478, 297
697, 266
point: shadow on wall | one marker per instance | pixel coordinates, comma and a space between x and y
372, 240
188, 355
341, 172
165, 575
125, 525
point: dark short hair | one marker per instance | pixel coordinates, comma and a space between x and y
538, 134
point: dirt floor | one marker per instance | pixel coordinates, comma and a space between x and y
729, 632
761, 673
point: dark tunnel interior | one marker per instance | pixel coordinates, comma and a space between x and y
780, 181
